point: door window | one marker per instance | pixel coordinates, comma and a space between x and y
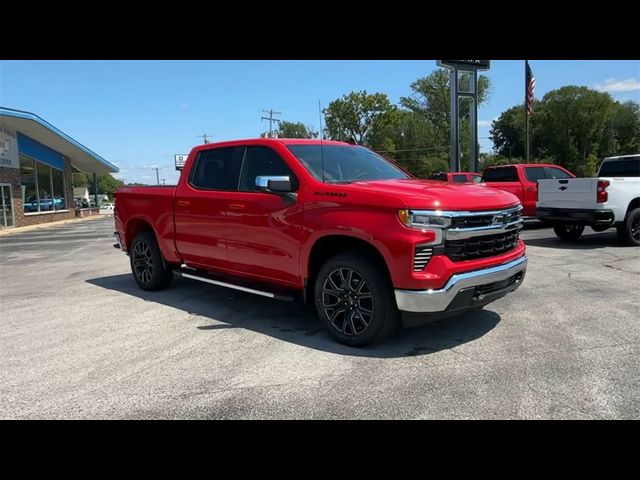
263, 161
217, 169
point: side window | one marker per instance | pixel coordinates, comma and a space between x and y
460, 178
476, 178
535, 173
556, 173
218, 169
500, 174
263, 161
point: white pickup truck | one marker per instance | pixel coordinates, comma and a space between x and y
611, 199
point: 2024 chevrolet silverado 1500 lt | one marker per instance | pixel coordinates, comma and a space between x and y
333, 222
610, 200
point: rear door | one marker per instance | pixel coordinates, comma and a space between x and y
505, 178
530, 186
201, 204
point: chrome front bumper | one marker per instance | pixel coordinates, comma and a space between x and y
431, 301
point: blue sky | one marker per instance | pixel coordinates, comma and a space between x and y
137, 114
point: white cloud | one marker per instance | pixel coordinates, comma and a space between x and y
613, 85
484, 123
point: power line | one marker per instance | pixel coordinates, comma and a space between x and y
205, 137
271, 119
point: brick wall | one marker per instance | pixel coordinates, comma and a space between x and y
12, 177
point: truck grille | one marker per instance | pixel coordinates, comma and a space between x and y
421, 257
480, 247
473, 221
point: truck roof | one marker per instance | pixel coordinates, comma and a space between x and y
621, 156
523, 165
283, 141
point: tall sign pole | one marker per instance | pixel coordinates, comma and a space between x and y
464, 90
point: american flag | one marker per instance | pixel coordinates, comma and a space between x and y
530, 85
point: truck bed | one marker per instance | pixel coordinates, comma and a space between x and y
153, 204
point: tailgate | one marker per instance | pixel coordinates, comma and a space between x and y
568, 193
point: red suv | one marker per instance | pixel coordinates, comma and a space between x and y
522, 181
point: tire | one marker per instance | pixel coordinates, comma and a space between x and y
368, 314
629, 230
568, 231
147, 265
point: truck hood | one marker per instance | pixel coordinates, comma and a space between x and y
434, 195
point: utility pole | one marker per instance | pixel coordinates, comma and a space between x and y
157, 169
163, 181
204, 136
271, 120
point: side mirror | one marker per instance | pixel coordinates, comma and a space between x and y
275, 184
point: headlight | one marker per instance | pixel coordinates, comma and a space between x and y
420, 220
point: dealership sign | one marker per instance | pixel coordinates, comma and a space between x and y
8, 148
465, 64
181, 159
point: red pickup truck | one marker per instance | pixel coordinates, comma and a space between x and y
522, 181
331, 222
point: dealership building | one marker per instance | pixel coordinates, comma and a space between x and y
36, 165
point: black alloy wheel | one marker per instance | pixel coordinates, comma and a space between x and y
347, 301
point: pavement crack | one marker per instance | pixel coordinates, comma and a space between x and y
620, 269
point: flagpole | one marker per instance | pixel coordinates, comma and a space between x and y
526, 113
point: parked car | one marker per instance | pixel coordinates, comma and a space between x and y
456, 177
48, 204
612, 199
522, 181
331, 222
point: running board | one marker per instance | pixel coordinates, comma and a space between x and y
207, 278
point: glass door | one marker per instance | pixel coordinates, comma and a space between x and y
6, 218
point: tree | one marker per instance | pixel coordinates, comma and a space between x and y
107, 184
431, 98
356, 115
295, 130
573, 126
507, 133
626, 128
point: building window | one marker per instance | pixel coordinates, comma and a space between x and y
43, 187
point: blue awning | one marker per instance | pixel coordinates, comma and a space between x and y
37, 151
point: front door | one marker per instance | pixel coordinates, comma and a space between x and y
263, 229
6, 203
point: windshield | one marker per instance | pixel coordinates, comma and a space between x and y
344, 164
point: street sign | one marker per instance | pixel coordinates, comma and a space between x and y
180, 159
465, 64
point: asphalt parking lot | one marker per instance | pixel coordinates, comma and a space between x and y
78, 339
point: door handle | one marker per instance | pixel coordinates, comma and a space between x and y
183, 203
236, 206
530, 189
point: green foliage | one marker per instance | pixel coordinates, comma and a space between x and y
107, 184
572, 126
81, 179
295, 130
356, 115
430, 98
